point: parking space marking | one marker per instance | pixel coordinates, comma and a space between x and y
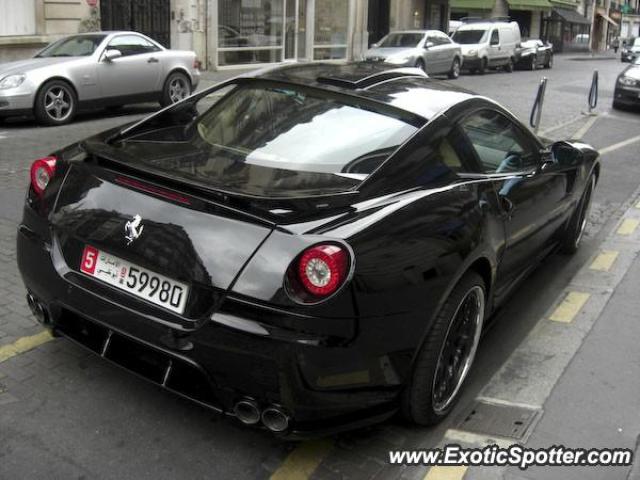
585, 128
570, 307
618, 145
303, 460
628, 226
604, 261
24, 344
446, 473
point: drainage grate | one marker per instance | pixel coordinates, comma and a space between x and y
509, 421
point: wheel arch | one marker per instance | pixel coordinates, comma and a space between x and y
52, 79
178, 69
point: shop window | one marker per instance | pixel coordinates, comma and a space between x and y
331, 26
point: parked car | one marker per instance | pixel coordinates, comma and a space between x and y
627, 89
488, 44
317, 250
95, 70
430, 50
534, 53
630, 49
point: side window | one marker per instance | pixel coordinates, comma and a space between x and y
432, 39
132, 45
495, 38
499, 143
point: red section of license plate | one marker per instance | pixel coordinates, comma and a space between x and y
89, 260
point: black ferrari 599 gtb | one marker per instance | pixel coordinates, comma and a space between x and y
310, 248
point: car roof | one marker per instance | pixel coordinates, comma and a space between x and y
408, 89
484, 25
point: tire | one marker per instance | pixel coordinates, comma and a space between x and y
424, 401
483, 66
575, 229
176, 87
533, 63
455, 69
509, 66
56, 103
420, 64
549, 62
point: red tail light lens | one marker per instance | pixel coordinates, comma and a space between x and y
42, 171
197, 64
322, 269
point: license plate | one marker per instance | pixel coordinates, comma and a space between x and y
138, 281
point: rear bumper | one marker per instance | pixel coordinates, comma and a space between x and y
216, 365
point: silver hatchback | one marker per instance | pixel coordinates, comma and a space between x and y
100, 69
431, 50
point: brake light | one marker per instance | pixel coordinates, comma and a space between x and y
322, 269
42, 171
197, 64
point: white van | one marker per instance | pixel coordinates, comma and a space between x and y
488, 44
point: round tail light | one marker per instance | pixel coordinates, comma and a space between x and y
42, 171
322, 269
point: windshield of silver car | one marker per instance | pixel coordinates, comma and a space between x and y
470, 37
75, 46
401, 40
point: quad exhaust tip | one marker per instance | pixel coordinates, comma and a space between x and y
38, 310
247, 411
275, 419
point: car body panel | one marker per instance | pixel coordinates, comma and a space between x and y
627, 88
414, 227
534, 52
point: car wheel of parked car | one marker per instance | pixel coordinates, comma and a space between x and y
176, 87
56, 103
509, 66
447, 354
420, 64
549, 62
455, 69
483, 66
578, 223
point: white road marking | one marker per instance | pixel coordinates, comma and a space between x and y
585, 128
618, 145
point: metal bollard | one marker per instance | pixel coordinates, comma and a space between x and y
593, 92
536, 110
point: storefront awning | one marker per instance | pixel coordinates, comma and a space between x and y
609, 19
529, 4
571, 16
472, 4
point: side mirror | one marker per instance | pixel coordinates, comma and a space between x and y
111, 54
428, 45
565, 154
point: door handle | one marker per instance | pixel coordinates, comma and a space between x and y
152, 60
507, 205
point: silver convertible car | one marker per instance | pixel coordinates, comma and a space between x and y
431, 50
100, 69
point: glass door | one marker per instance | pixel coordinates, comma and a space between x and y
295, 30
330, 29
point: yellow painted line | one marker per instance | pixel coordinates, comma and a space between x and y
303, 460
628, 226
570, 306
604, 261
446, 473
24, 344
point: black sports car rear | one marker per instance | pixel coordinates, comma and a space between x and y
310, 249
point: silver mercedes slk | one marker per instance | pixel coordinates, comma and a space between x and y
91, 70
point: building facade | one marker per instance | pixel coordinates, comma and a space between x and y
26, 26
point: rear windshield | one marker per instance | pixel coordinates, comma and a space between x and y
272, 141
469, 37
407, 40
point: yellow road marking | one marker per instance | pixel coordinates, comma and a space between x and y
303, 461
628, 226
446, 473
570, 306
24, 344
604, 261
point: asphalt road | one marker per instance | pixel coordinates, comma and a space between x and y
65, 414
